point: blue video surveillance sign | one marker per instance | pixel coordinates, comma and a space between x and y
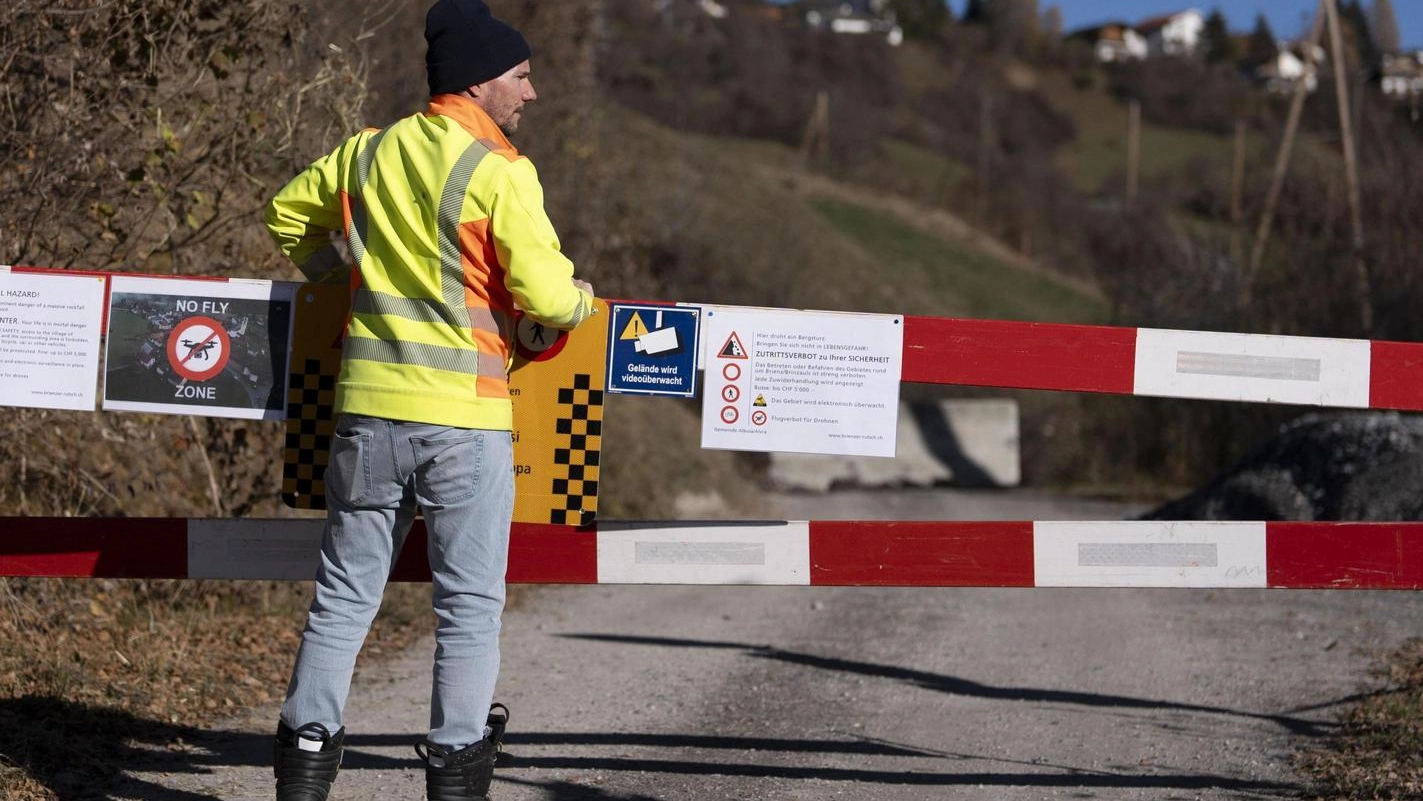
652, 350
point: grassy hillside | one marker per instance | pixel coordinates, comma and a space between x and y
742, 222
1099, 151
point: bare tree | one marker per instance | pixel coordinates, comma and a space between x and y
1011, 23
921, 19
147, 135
1052, 25
1386, 33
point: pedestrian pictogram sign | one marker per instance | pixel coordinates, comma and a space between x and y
537, 342
653, 350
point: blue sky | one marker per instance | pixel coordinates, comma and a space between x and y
1288, 18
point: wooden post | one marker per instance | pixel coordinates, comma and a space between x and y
1237, 196
1133, 152
815, 147
1351, 172
985, 150
1282, 163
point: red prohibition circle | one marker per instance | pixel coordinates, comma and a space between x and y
730, 414
731, 393
537, 342
198, 348
731, 372
758, 417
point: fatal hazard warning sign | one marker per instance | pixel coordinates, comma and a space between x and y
733, 349
809, 382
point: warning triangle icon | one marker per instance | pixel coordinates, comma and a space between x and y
635, 329
733, 348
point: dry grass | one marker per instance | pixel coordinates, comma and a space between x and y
1378, 753
103, 668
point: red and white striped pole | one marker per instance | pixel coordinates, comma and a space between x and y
1342, 373
887, 554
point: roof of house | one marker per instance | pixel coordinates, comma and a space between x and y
1160, 21
1115, 31
1403, 66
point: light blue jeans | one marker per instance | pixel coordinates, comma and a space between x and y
379, 471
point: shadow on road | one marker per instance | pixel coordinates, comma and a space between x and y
80, 752
957, 686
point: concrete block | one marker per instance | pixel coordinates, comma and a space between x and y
966, 443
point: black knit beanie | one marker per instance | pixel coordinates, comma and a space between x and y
468, 46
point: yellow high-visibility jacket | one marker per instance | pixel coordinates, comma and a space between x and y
447, 232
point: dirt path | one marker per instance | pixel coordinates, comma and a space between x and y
811, 693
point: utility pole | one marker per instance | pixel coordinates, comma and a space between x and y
1282, 162
1351, 172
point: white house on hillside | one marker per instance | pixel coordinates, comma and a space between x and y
1403, 75
855, 17
709, 7
1114, 42
1176, 34
1284, 72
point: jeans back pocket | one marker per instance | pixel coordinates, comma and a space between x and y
449, 466
348, 473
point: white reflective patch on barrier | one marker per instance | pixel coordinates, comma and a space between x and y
1149, 554
277, 550
1253, 367
704, 553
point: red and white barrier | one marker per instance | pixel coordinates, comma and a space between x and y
1344, 373
892, 554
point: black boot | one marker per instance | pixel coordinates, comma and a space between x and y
306, 775
464, 775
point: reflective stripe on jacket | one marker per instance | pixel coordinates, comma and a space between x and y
447, 231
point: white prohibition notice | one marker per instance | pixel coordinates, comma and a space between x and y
1253, 367
1149, 554
49, 340
649, 553
802, 381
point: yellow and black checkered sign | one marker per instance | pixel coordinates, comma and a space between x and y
557, 383
321, 311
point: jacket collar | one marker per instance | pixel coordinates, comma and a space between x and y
472, 118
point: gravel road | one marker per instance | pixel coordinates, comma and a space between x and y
677, 693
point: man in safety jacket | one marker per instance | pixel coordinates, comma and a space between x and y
448, 237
